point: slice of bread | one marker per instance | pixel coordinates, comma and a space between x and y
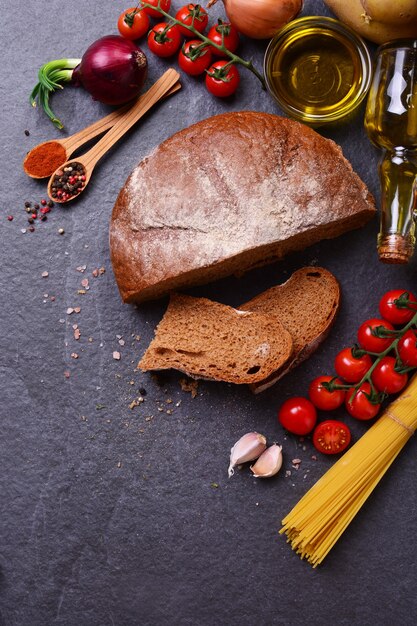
206, 339
306, 304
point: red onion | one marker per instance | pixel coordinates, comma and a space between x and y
113, 70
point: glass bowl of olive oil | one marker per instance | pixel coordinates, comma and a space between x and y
318, 70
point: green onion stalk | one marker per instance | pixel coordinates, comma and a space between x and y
51, 76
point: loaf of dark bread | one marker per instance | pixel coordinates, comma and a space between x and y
206, 339
229, 193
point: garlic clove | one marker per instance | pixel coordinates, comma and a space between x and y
269, 463
248, 448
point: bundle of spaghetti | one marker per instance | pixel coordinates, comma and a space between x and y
317, 521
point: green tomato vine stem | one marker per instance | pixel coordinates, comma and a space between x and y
233, 57
379, 356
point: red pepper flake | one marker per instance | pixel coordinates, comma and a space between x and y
10, 218
67, 374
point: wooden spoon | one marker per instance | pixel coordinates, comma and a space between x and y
73, 142
89, 160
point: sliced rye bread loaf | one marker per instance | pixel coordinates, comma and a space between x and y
306, 304
206, 339
234, 191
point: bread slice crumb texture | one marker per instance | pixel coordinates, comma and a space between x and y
306, 304
206, 339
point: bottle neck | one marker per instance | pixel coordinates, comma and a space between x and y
398, 177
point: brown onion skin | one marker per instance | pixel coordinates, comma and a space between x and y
251, 19
113, 70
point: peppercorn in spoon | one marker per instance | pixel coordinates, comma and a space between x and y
72, 177
44, 159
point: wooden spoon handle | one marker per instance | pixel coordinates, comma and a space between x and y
81, 137
158, 90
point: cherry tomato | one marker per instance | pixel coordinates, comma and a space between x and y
133, 24
360, 406
194, 57
331, 437
164, 40
164, 4
350, 368
370, 342
392, 312
223, 31
298, 415
386, 379
222, 79
324, 399
407, 348
192, 15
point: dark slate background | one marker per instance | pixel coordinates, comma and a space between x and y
109, 514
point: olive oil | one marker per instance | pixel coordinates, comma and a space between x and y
317, 70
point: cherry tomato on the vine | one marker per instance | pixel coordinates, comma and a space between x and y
226, 33
391, 310
298, 415
386, 379
369, 341
331, 437
194, 57
407, 348
192, 15
164, 40
222, 79
133, 24
165, 5
351, 368
360, 406
324, 399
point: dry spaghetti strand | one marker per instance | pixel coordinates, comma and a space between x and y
322, 515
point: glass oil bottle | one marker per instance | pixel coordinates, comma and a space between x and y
391, 124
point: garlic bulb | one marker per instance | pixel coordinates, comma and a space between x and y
248, 448
269, 463
260, 19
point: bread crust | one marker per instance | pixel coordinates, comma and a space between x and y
234, 191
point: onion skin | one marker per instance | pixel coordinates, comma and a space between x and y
379, 21
113, 70
261, 19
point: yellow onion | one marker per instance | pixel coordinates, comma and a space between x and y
260, 19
